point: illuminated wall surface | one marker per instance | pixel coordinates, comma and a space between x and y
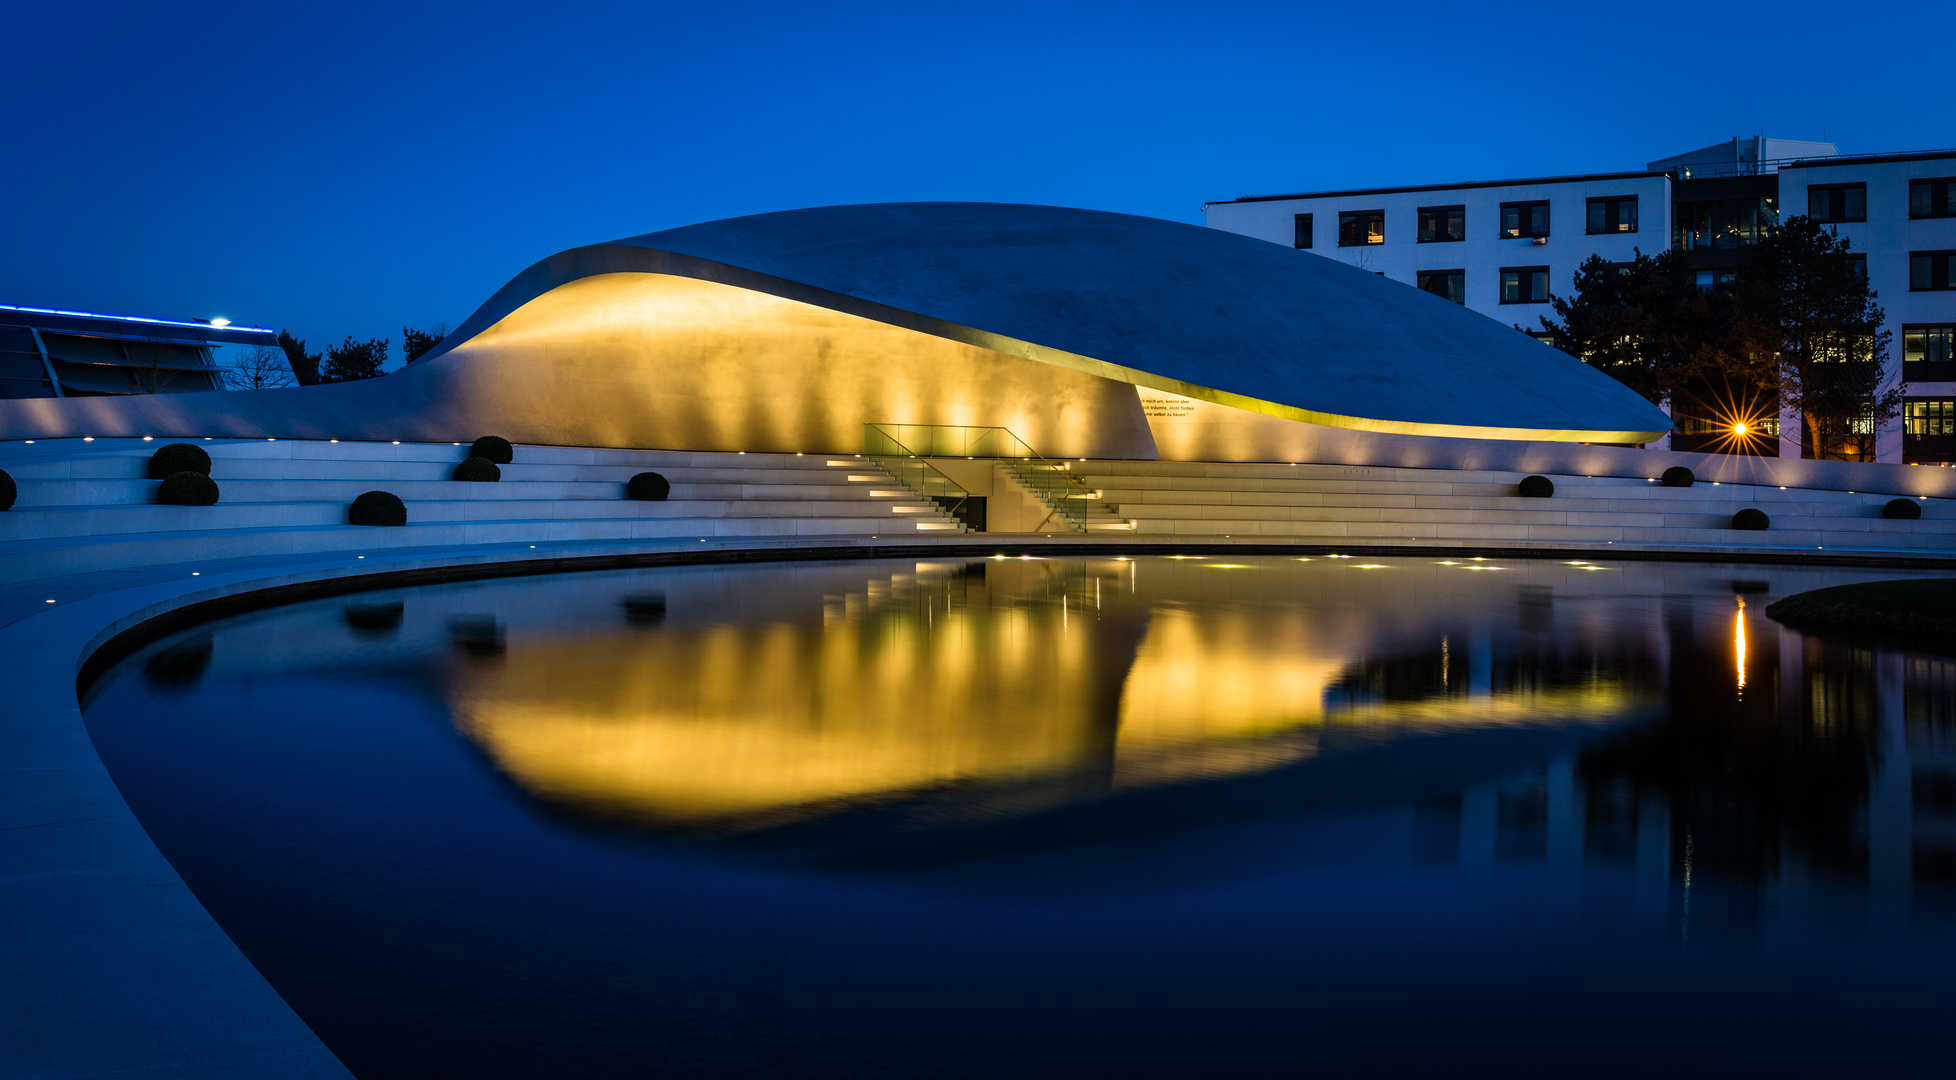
989, 688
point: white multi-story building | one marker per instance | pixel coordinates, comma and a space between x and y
1503, 247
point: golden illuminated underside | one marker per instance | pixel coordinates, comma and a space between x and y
710, 366
739, 726
674, 362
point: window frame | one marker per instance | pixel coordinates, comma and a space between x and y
1345, 215
1460, 272
1948, 260
1301, 227
1501, 228
1926, 370
1858, 185
1914, 421
1948, 197
1615, 202
1542, 270
1419, 221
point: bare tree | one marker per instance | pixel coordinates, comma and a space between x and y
153, 371
259, 367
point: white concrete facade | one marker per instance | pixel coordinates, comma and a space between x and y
1484, 251
1888, 236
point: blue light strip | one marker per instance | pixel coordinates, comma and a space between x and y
138, 319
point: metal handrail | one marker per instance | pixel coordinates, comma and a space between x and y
1053, 484
912, 471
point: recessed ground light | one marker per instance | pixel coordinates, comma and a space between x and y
50, 601
149, 438
88, 438
336, 440
196, 573
270, 439
30, 442
359, 556
397, 442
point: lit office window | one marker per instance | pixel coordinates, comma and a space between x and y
1929, 416
1930, 271
1300, 236
1524, 284
1931, 198
1617, 213
1928, 344
1357, 228
1451, 284
1838, 202
1440, 224
1524, 219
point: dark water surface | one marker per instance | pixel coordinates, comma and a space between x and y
1177, 817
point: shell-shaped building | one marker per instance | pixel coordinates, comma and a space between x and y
1085, 333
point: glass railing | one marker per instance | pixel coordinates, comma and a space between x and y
912, 471
1052, 483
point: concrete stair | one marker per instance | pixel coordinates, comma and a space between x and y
1330, 503
88, 505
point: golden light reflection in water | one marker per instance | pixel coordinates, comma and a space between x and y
1738, 644
993, 675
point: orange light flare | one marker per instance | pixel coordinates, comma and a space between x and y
1742, 426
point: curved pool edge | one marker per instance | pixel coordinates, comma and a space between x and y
116, 968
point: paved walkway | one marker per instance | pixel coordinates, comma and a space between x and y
112, 967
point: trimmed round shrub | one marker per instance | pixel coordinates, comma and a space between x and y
497, 450
187, 489
478, 468
1752, 519
1678, 476
1537, 487
1902, 510
179, 457
647, 487
377, 508
9, 491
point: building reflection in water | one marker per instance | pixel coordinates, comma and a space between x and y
1003, 687
1728, 770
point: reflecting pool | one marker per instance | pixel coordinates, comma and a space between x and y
1151, 816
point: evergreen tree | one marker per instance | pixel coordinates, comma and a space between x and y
354, 360
1805, 312
415, 343
305, 366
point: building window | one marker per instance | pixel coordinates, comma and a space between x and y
1357, 228
1723, 223
1931, 198
1838, 202
1715, 282
1928, 344
1439, 224
1451, 284
1524, 284
1524, 219
1618, 213
1300, 235
1930, 270
1929, 416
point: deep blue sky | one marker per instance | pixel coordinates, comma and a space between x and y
348, 168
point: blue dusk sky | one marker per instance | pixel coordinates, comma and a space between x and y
349, 168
